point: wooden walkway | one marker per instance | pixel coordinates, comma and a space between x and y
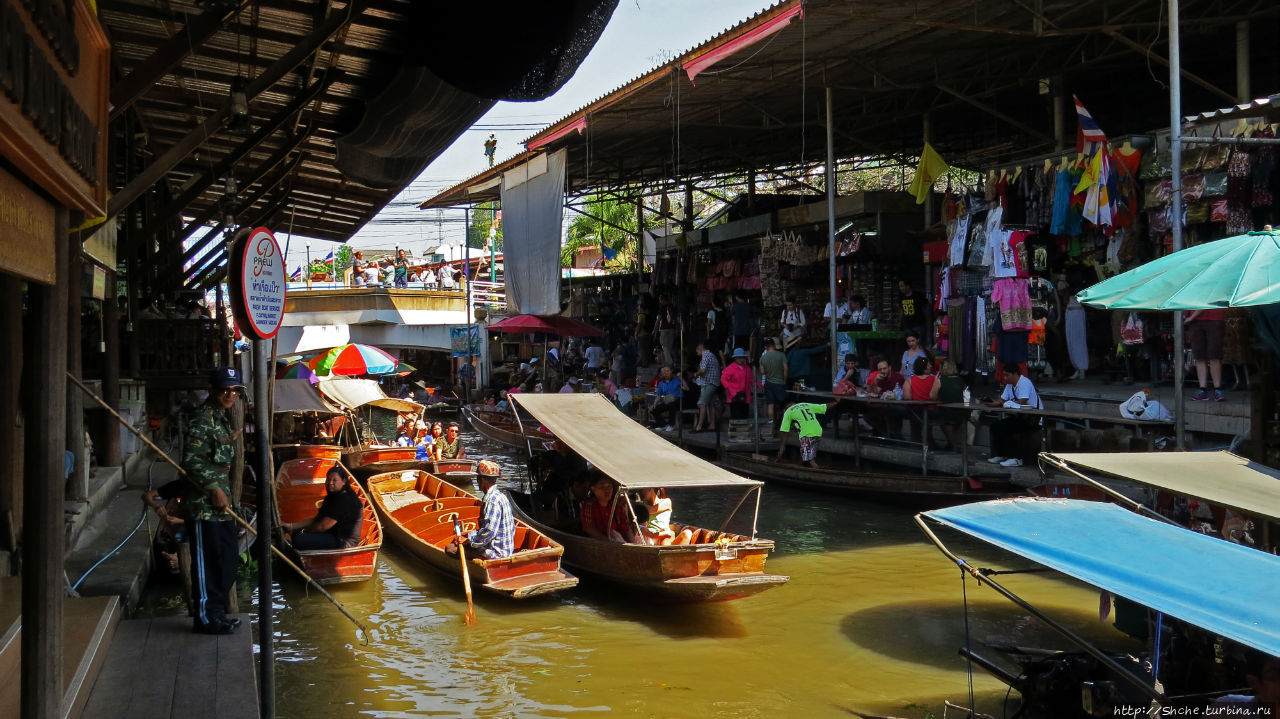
159, 668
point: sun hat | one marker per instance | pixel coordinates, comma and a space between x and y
739, 352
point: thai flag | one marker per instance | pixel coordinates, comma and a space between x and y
1089, 137
297, 274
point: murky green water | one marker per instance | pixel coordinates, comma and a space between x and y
870, 621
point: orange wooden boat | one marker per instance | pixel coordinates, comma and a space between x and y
367, 460
299, 491
419, 508
286, 452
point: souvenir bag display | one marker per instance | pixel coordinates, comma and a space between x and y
1219, 211
1131, 330
1215, 184
1192, 187
1215, 156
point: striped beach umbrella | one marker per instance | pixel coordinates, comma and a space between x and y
353, 359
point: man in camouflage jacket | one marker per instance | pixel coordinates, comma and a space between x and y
207, 455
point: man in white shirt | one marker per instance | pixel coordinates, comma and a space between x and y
1010, 444
842, 311
595, 355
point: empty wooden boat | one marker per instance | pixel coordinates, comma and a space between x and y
300, 488
501, 426
418, 509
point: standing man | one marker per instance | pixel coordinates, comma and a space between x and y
810, 431
773, 369
708, 379
913, 307
718, 326
402, 270
338, 522
667, 326
1205, 330
495, 538
466, 378
743, 322
206, 458
358, 267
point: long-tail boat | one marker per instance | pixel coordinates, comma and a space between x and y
368, 435
300, 488
418, 509
503, 427
704, 564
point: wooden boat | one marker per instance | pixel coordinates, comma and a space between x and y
454, 470
363, 451
915, 490
286, 452
419, 508
502, 427
300, 488
369, 460
711, 566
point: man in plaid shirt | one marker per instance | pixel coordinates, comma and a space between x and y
708, 378
495, 537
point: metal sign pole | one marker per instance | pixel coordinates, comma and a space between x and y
1175, 151
831, 234
262, 443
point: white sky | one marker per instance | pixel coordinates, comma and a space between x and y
641, 35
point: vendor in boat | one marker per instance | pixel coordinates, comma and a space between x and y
598, 522
451, 446
337, 524
495, 537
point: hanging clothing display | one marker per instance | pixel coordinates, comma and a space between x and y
1010, 295
1077, 346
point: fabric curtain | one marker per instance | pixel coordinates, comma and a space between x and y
532, 212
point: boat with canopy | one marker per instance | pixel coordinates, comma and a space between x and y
303, 422
702, 564
368, 436
1145, 560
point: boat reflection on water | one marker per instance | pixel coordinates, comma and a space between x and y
870, 622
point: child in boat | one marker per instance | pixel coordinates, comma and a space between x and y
657, 530
596, 519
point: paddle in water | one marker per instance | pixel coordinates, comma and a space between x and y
470, 617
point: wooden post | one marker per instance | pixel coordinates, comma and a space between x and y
77, 487
10, 417
45, 386
109, 456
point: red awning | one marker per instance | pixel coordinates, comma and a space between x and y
546, 324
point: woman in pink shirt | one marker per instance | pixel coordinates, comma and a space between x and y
737, 380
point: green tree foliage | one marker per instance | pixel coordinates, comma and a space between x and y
617, 231
478, 226
343, 256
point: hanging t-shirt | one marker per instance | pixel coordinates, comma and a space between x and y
959, 236
998, 255
1017, 244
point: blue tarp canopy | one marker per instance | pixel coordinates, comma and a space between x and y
1225, 588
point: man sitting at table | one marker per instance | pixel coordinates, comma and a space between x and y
1010, 444
666, 401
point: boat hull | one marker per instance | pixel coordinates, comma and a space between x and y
423, 525
457, 471
286, 452
914, 490
375, 460
495, 426
300, 487
675, 573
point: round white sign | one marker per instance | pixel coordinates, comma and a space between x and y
262, 283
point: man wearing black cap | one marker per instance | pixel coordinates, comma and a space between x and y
206, 458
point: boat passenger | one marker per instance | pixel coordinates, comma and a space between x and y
425, 445
1263, 676
451, 446
495, 537
596, 521
657, 528
338, 522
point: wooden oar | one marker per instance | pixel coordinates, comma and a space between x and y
183, 473
470, 617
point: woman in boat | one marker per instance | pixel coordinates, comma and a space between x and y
425, 444
657, 529
451, 446
596, 520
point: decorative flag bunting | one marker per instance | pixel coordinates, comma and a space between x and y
1089, 137
932, 166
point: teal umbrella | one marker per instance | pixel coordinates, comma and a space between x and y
1241, 271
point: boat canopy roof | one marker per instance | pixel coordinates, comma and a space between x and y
615, 444
1220, 478
299, 395
1225, 588
354, 393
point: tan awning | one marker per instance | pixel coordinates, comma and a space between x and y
353, 393
615, 444
299, 395
1220, 478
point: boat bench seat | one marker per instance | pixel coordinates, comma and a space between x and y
397, 501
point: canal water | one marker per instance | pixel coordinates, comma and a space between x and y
871, 621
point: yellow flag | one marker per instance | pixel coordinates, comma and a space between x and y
932, 166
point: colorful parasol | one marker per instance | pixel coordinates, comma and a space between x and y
353, 359
297, 370
403, 368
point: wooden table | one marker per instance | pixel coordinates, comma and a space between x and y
923, 406
1088, 418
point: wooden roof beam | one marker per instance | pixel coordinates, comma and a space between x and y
166, 57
